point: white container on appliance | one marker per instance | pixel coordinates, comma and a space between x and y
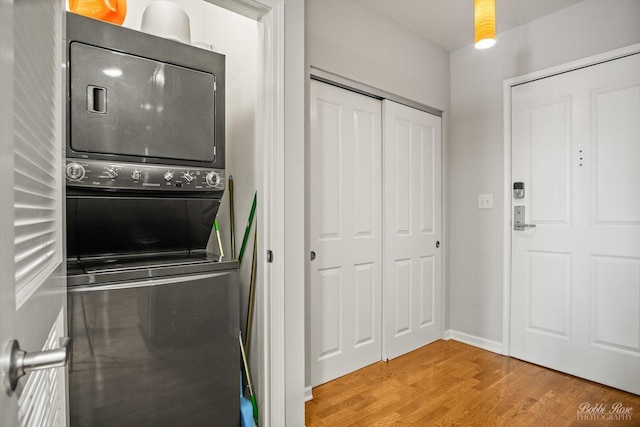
167, 19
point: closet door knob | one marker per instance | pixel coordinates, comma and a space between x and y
21, 362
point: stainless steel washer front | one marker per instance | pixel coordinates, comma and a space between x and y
159, 352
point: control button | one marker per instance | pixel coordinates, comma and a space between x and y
213, 179
136, 174
187, 177
75, 171
112, 173
168, 176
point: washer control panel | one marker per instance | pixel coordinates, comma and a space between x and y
136, 176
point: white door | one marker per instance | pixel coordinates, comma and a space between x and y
32, 284
575, 285
412, 228
345, 231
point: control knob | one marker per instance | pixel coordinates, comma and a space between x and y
213, 179
75, 171
187, 177
112, 173
168, 176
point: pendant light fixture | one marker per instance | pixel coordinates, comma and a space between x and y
485, 23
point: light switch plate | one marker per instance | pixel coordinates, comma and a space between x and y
485, 201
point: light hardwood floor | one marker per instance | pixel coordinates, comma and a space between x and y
449, 383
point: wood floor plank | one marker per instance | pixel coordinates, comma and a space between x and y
448, 383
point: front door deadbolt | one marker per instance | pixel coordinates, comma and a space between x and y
518, 190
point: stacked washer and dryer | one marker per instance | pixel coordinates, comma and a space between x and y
152, 315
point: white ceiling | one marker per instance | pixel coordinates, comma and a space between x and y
449, 23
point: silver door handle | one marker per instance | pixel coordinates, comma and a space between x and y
519, 218
21, 362
521, 227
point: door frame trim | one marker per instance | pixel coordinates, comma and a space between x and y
279, 399
507, 177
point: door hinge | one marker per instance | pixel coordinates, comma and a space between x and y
269, 255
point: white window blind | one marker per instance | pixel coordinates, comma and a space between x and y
37, 144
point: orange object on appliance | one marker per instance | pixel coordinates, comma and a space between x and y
112, 11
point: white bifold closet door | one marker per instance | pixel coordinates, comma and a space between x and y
345, 231
374, 230
412, 291
32, 267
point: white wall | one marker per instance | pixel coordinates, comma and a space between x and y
295, 124
351, 40
476, 163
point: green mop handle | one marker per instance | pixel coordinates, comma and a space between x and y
248, 229
217, 228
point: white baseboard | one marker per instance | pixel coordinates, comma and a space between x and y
307, 394
483, 343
